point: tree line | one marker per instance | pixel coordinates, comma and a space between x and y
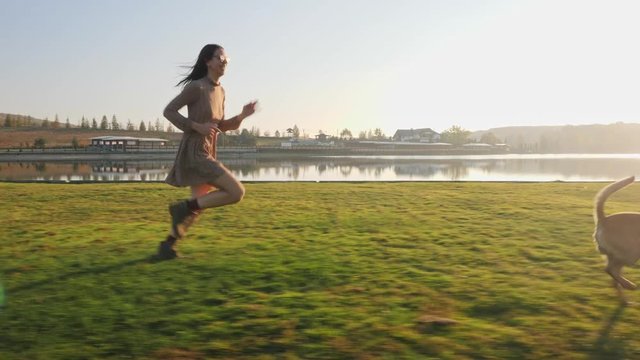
17, 121
454, 135
114, 124
617, 137
241, 137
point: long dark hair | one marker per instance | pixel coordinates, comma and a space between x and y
199, 69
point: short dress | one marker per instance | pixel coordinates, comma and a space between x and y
196, 162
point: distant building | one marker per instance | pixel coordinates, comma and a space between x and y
124, 142
417, 135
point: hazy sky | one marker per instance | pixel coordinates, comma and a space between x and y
330, 64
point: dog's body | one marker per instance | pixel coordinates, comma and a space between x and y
617, 236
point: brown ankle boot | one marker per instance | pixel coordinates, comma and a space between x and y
166, 250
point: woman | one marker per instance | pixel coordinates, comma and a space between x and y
196, 165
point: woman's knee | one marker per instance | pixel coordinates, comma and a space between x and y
233, 189
236, 193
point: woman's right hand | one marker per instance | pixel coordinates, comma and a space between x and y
205, 129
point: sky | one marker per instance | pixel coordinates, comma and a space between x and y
327, 65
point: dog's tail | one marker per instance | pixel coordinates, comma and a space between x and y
598, 209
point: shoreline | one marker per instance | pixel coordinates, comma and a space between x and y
62, 156
280, 182
73, 155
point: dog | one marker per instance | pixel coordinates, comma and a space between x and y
617, 237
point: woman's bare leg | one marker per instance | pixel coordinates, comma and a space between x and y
230, 191
196, 192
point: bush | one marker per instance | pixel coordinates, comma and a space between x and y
39, 143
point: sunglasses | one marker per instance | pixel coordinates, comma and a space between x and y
222, 58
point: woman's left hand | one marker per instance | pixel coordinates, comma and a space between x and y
249, 109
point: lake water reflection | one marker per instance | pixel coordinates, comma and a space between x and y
589, 167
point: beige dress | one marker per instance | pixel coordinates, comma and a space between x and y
196, 162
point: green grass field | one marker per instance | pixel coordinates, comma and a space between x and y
313, 271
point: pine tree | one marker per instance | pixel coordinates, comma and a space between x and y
67, 124
56, 122
104, 124
114, 123
130, 125
94, 124
142, 127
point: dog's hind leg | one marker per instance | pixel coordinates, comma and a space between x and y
621, 296
614, 268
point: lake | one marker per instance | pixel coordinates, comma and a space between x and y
510, 167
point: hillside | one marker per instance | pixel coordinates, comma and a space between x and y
24, 137
597, 138
512, 134
18, 130
23, 120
